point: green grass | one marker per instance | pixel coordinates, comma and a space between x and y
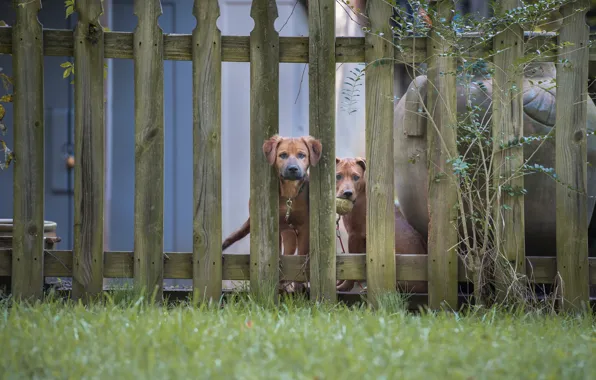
297, 340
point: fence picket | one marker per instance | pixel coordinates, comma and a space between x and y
571, 156
207, 230
89, 151
321, 76
264, 120
380, 217
507, 126
442, 190
28, 230
149, 148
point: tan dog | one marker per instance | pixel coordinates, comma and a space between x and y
292, 157
351, 185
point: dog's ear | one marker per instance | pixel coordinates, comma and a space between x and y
337, 160
270, 148
315, 148
362, 162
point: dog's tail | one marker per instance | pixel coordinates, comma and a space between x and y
237, 235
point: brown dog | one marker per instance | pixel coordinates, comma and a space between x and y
292, 157
351, 185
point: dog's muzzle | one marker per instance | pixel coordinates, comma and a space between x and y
293, 173
348, 195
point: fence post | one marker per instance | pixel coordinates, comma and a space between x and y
442, 190
380, 217
571, 157
321, 74
507, 127
149, 149
207, 227
28, 230
89, 151
264, 120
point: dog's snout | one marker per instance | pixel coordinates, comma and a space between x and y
347, 193
293, 172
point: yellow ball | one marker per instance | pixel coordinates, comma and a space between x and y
343, 206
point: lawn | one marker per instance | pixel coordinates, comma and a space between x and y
297, 340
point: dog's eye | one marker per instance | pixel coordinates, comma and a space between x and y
338, 177
355, 177
301, 155
283, 156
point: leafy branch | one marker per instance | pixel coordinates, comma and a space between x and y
349, 94
7, 153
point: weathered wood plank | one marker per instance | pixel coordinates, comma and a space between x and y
321, 75
571, 157
380, 217
89, 151
264, 120
28, 182
442, 190
178, 47
236, 267
207, 227
149, 148
507, 126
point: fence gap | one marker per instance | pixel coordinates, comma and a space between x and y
571, 157
380, 216
321, 74
149, 148
264, 122
442, 190
207, 227
89, 151
28, 226
507, 127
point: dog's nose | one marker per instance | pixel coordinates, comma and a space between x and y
293, 168
347, 193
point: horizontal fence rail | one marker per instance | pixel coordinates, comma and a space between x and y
235, 267
178, 47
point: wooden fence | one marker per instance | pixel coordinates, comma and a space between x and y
88, 264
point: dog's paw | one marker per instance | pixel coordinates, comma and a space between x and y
292, 287
345, 285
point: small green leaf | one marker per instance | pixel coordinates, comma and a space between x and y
69, 10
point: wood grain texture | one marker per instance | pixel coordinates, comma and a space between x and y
507, 126
442, 191
264, 120
207, 227
321, 75
380, 217
149, 148
178, 47
89, 151
236, 267
28, 180
571, 158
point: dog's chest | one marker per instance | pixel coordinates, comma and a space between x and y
293, 214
